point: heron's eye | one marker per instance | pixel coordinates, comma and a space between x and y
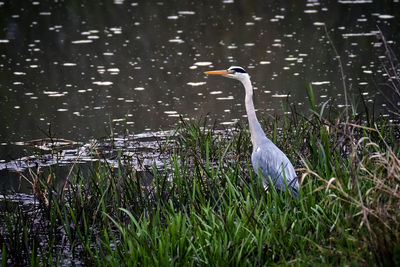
238, 70
231, 71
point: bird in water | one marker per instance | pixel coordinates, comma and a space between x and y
267, 159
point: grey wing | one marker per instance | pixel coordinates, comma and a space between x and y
273, 163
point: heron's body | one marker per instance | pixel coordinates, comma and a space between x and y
267, 159
274, 164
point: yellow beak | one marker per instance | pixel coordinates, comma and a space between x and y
217, 72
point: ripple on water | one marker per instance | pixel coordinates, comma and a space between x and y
280, 95
186, 12
82, 41
233, 122
310, 11
176, 40
106, 83
196, 83
58, 95
19, 73
385, 16
358, 34
54, 93
215, 92
203, 63
116, 30
113, 71
355, 1
320, 83
225, 98
291, 58
171, 113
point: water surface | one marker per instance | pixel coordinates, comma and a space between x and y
83, 70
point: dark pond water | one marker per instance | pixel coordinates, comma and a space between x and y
75, 69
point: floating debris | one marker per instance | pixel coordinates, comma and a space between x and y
139, 151
49, 143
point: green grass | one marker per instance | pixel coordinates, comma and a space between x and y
210, 208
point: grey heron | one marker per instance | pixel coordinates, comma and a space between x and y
267, 159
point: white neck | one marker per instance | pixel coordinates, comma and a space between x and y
256, 131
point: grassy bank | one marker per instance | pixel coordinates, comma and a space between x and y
211, 208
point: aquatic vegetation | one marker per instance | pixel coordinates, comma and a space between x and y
208, 207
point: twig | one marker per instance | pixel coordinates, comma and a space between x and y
341, 73
71, 169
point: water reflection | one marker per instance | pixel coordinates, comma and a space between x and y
76, 69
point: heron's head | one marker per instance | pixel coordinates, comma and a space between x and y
234, 72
